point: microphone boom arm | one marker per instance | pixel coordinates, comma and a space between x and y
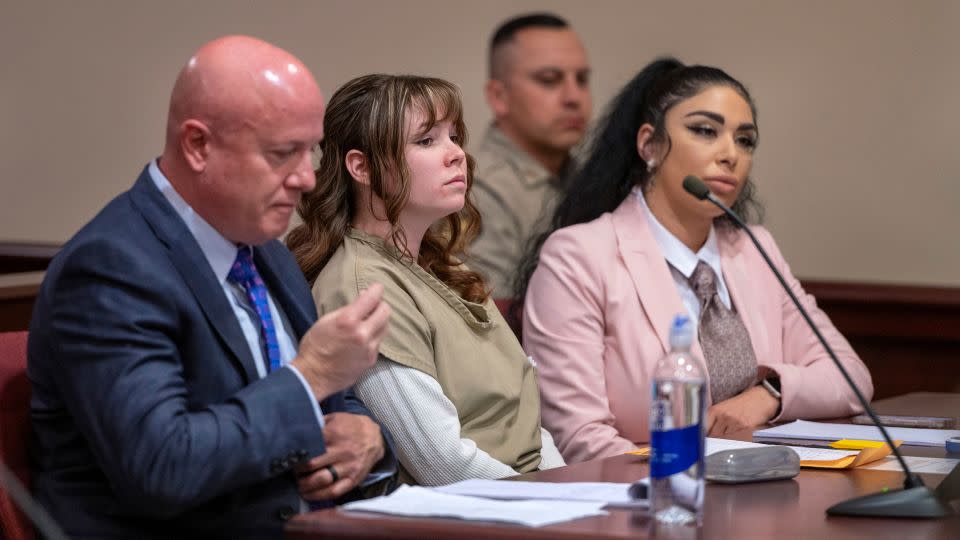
915, 499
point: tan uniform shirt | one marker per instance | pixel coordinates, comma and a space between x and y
468, 348
516, 196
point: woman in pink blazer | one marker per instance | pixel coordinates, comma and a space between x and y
614, 271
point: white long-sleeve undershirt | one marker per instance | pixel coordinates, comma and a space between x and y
426, 428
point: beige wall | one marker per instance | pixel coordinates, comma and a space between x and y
859, 112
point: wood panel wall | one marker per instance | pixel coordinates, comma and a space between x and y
908, 336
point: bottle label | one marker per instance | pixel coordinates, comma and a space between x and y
674, 450
660, 415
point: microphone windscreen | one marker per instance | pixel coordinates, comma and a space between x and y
696, 187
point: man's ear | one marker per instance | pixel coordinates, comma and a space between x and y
495, 93
195, 144
358, 166
648, 149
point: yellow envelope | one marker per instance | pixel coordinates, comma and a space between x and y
866, 455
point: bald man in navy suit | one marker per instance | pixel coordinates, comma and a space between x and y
182, 384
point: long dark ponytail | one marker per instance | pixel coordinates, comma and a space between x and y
613, 166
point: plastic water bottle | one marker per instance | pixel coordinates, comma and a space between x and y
677, 416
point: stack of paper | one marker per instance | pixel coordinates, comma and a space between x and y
927, 465
609, 493
425, 502
802, 429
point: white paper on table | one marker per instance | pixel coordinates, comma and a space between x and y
424, 502
822, 454
802, 429
714, 445
806, 454
610, 493
928, 465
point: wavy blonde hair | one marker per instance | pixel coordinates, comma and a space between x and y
369, 114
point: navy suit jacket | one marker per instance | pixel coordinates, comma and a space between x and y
149, 417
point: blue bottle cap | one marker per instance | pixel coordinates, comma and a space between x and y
953, 445
681, 333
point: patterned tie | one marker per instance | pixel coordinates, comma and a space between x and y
724, 339
244, 273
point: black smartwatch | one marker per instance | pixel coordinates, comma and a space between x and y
770, 381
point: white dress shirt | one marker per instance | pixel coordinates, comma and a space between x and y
683, 261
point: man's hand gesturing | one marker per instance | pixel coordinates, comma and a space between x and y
343, 344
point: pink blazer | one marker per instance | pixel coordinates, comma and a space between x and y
597, 319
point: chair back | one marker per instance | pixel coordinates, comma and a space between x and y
504, 305
14, 429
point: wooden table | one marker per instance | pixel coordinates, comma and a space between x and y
786, 509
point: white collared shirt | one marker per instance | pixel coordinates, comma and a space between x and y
221, 253
683, 261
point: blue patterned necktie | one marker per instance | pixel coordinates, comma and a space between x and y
244, 273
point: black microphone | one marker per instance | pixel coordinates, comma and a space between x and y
915, 499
